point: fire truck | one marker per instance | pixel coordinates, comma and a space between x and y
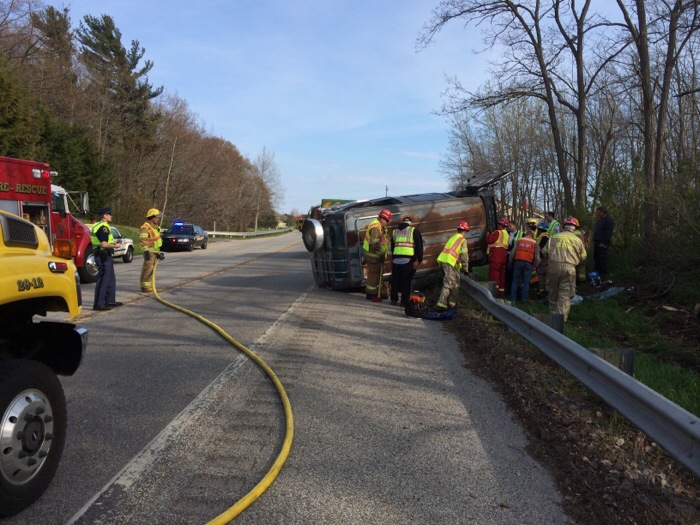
26, 191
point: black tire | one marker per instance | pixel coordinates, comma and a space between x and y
88, 272
204, 246
128, 256
190, 247
32, 404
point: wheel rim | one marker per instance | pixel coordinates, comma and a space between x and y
91, 264
25, 436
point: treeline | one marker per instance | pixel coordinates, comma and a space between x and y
77, 97
588, 108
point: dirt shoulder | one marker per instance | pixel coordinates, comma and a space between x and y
606, 469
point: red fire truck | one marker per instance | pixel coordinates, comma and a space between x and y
26, 190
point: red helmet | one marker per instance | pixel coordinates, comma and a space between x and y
385, 214
571, 220
463, 226
503, 222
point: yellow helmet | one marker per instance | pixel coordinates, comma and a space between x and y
531, 221
153, 212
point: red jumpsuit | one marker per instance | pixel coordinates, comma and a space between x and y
498, 258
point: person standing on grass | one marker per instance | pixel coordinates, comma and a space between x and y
524, 256
566, 251
602, 236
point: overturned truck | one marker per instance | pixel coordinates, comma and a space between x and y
334, 235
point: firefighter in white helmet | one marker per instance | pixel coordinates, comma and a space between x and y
566, 251
150, 241
453, 258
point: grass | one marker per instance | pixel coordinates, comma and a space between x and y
664, 360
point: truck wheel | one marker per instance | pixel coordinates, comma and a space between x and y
128, 256
312, 235
88, 272
32, 432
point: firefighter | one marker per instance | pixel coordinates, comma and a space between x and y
581, 268
524, 257
498, 255
103, 246
542, 241
453, 259
375, 249
406, 256
150, 241
566, 251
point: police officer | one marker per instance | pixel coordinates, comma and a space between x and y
103, 246
150, 241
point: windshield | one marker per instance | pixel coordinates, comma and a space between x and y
182, 230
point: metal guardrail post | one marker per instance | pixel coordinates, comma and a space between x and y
672, 427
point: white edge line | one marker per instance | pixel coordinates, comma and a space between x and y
147, 456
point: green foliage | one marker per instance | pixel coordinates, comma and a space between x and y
267, 220
71, 152
670, 380
622, 191
20, 126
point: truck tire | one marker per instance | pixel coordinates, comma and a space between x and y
312, 235
128, 256
88, 272
32, 432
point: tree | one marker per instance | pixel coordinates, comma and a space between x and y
269, 187
20, 124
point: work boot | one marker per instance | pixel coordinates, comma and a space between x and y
115, 304
147, 290
369, 296
101, 308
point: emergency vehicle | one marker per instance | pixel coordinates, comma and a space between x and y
26, 191
334, 235
33, 417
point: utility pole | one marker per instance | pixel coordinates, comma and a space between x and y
386, 194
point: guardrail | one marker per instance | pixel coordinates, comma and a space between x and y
672, 427
243, 235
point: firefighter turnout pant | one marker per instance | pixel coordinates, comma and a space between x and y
449, 295
561, 283
374, 269
149, 260
498, 260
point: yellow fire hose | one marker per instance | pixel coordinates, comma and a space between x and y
266, 481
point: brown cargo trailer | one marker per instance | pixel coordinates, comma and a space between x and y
334, 235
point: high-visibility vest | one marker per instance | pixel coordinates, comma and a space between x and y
93, 234
152, 243
525, 249
403, 242
501, 241
550, 228
384, 244
452, 250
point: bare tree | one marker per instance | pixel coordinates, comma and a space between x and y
269, 185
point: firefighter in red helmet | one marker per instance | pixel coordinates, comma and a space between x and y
375, 249
453, 259
498, 255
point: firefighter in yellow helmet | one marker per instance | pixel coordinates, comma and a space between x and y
566, 251
149, 239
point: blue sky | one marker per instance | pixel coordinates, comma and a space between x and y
335, 89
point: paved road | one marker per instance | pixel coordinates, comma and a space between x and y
170, 424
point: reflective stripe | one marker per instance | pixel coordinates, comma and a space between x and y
93, 234
452, 250
501, 241
383, 243
525, 249
403, 242
550, 228
154, 242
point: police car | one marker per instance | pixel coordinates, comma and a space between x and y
184, 236
125, 249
